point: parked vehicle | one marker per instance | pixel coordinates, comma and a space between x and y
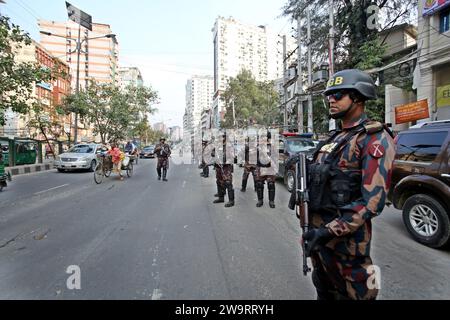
420, 184
80, 156
147, 152
291, 144
25, 152
4, 176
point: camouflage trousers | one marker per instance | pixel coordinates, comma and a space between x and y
247, 169
163, 162
261, 178
342, 277
224, 174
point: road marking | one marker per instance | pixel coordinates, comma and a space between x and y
184, 183
52, 189
157, 294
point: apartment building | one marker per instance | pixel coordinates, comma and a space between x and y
99, 57
129, 76
239, 46
199, 95
48, 94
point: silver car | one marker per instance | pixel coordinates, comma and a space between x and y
80, 156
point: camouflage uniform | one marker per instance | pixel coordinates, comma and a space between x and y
163, 152
343, 267
224, 180
261, 177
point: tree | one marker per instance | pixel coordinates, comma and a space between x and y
356, 33
251, 100
113, 112
16, 79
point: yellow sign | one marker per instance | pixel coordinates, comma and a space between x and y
443, 96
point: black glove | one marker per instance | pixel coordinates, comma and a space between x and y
315, 238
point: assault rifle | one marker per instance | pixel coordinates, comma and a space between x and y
300, 202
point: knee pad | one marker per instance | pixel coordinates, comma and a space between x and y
271, 185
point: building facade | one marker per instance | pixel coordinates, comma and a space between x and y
199, 95
434, 57
99, 57
130, 76
239, 46
48, 94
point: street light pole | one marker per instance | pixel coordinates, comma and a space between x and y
78, 42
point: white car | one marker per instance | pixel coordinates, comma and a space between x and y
80, 156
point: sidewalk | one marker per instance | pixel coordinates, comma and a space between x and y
30, 168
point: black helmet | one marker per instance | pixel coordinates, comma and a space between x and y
162, 138
352, 79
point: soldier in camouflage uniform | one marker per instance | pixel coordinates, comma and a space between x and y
261, 177
248, 168
349, 180
224, 179
163, 152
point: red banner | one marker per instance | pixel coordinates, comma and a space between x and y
412, 112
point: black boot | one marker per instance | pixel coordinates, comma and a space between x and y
230, 196
260, 193
159, 173
220, 194
244, 184
164, 174
271, 187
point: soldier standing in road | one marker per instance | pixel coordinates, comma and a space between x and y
248, 168
224, 178
349, 180
162, 151
262, 177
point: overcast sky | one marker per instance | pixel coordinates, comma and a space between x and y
168, 40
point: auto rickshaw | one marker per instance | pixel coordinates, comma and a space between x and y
25, 152
3, 175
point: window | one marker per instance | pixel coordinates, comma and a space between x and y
444, 24
420, 146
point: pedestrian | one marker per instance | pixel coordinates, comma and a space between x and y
203, 165
224, 178
349, 179
162, 151
261, 176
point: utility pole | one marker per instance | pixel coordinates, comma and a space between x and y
284, 84
300, 78
332, 123
310, 102
77, 88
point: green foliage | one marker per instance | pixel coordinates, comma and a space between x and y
113, 112
253, 100
16, 79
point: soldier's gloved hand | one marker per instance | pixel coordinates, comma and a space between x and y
314, 238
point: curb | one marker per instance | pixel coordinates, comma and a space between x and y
32, 168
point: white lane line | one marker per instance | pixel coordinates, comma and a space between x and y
184, 183
52, 189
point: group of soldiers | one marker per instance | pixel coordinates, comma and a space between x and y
224, 176
349, 177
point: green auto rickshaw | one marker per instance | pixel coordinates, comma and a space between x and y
3, 175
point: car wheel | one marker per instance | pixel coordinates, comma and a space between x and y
427, 220
60, 170
93, 165
290, 180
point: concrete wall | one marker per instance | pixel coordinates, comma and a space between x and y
395, 97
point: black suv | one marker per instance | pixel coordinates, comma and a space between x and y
420, 184
291, 144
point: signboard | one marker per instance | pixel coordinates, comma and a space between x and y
412, 112
430, 7
443, 96
79, 16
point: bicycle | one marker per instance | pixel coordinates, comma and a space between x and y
103, 168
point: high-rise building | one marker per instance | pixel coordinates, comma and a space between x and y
130, 76
199, 94
239, 46
160, 126
99, 57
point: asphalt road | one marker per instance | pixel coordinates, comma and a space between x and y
147, 239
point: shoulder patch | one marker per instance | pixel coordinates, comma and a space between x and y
376, 150
373, 127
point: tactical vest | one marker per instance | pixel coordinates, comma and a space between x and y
331, 188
